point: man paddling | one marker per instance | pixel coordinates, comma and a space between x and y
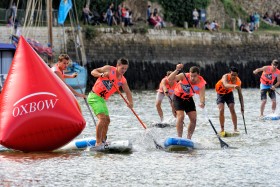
166, 88
189, 84
224, 88
110, 78
60, 67
267, 86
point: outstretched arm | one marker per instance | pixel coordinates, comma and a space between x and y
256, 71
173, 76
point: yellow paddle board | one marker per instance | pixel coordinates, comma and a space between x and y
229, 134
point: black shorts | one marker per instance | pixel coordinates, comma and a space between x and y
270, 93
186, 105
228, 98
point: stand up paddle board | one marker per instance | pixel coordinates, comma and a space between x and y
119, 146
229, 134
178, 144
271, 117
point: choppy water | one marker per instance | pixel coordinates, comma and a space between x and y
255, 162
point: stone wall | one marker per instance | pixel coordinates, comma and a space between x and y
185, 46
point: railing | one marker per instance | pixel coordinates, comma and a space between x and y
41, 16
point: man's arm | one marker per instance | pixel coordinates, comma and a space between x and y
101, 72
202, 97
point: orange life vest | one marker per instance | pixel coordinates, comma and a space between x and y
221, 89
167, 85
183, 88
103, 87
56, 68
268, 76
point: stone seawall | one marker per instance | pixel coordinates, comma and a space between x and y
185, 46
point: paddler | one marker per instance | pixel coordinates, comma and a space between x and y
224, 88
166, 88
267, 86
189, 84
102, 90
60, 67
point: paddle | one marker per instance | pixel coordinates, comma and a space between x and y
264, 80
223, 144
144, 126
242, 106
86, 102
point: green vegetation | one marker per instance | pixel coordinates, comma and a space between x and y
180, 11
90, 32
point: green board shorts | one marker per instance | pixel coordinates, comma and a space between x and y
98, 104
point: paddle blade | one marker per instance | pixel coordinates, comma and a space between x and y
223, 144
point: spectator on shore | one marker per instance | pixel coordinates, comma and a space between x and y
123, 13
277, 18
245, 28
267, 18
257, 21
207, 26
153, 21
149, 12
10, 21
14, 11
252, 22
159, 19
86, 12
109, 15
215, 26
195, 18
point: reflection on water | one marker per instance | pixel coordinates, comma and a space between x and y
255, 162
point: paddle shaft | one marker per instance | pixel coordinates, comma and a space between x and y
223, 144
242, 106
144, 126
86, 102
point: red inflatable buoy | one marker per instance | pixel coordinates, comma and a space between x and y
37, 110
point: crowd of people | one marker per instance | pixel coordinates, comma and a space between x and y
121, 15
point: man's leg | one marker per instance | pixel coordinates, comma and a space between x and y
179, 123
233, 116
192, 124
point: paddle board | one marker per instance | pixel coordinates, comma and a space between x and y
119, 146
271, 117
229, 134
178, 144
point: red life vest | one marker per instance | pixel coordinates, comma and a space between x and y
183, 88
268, 76
103, 87
221, 89
167, 85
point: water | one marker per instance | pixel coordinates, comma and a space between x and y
255, 162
